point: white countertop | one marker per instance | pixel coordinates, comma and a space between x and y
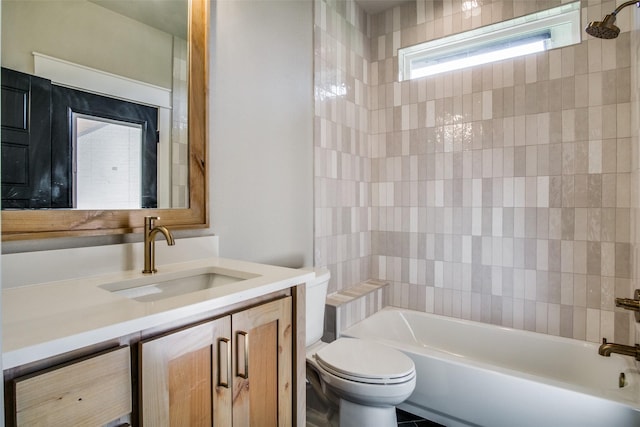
48, 319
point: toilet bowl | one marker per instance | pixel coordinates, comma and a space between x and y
364, 378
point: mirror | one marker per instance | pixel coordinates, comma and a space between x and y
27, 224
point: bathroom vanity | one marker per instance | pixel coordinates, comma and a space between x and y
127, 348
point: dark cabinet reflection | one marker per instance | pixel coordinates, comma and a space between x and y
66, 148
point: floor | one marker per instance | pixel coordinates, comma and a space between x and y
406, 419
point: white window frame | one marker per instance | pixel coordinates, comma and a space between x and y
557, 27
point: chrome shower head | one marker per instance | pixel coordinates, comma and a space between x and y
606, 29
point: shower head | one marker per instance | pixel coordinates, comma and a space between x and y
606, 29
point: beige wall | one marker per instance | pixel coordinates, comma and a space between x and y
500, 194
87, 34
261, 131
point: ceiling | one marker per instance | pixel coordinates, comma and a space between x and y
373, 7
171, 16
168, 16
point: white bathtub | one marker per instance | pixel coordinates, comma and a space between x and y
474, 374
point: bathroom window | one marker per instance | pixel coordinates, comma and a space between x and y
548, 29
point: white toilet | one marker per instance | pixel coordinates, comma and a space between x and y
366, 379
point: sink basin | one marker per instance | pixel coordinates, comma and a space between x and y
154, 289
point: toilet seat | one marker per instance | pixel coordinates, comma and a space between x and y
365, 362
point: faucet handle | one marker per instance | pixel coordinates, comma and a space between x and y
628, 303
631, 304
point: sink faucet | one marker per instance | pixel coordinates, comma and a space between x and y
607, 348
150, 242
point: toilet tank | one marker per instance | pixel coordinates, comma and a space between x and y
316, 294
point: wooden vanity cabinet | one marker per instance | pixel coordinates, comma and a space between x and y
232, 371
238, 365
93, 391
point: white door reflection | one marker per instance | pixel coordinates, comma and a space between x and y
107, 163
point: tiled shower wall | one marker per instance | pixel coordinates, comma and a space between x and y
341, 142
500, 193
179, 146
635, 166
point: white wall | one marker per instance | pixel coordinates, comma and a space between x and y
261, 130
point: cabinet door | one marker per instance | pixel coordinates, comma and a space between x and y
26, 140
262, 365
185, 380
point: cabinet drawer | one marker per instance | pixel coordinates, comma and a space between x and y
92, 391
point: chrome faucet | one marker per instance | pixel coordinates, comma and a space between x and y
150, 242
607, 348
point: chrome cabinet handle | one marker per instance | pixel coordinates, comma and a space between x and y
245, 340
226, 341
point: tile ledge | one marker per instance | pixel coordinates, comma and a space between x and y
355, 292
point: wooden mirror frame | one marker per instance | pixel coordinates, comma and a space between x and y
39, 224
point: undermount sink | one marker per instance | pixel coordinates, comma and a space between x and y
154, 288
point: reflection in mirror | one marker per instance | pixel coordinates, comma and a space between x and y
127, 50
107, 163
98, 54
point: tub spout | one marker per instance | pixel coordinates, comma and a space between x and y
607, 348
